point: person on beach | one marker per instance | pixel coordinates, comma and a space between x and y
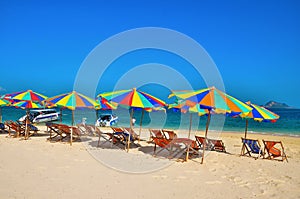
133, 121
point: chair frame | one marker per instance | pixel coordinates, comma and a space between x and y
249, 152
268, 153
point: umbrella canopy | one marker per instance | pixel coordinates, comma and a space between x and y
3, 102
213, 99
133, 98
104, 104
27, 104
28, 95
259, 113
72, 100
186, 106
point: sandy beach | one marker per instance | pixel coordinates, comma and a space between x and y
36, 168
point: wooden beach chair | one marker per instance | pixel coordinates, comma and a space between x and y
120, 136
272, 151
2, 127
31, 130
108, 137
210, 144
156, 133
16, 127
169, 134
217, 145
251, 148
163, 139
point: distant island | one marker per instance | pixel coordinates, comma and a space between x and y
273, 104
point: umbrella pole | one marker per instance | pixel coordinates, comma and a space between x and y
72, 117
97, 114
60, 115
141, 123
131, 127
206, 130
190, 128
246, 129
1, 114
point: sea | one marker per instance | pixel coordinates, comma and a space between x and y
287, 124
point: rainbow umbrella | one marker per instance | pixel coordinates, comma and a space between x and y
213, 99
26, 99
72, 100
27, 104
27, 95
104, 104
134, 99
3, 102
259, 113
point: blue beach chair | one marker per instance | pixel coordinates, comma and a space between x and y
251, 148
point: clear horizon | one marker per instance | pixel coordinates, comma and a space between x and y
254, 44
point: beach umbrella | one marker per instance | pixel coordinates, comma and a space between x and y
213, 99
27, 95
258, 113
134, 99
27, 104
104, 104
26, 99
3, 102
72, 100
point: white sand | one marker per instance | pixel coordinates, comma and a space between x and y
36, 168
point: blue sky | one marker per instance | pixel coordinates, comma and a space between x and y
255, 44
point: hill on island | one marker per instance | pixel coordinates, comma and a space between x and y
273, 104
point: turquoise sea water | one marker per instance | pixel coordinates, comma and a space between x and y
288, 123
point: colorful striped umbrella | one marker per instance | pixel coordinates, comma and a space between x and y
28, 95
104, 104
27, 104
3, 102
259, 113
72, 100
133, 98
213, 99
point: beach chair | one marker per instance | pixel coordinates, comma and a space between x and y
251, 148
16, 127
31, 130
274, 153
108, 137
156, 133
201, 140
210, 144
120, 136
217, 145
2, 127
169, 134
163, 139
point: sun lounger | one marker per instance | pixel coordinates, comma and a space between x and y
251, 148
157, 133
62, 132
274, 153
17, 128
210, 144
169, 134
2, 127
